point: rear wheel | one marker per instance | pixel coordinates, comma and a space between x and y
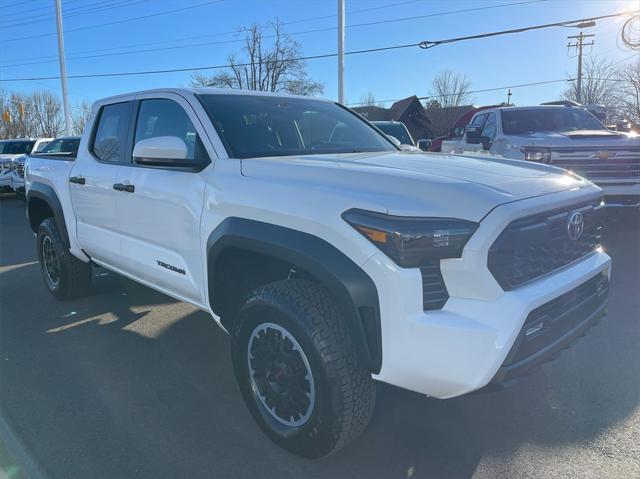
64, 275
297, 370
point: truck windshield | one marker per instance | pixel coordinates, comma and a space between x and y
519, 122
252, 126
16, 147
397, 130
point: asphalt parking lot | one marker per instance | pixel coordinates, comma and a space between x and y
130, 383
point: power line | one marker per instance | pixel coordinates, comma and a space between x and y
116, 22
303, 58
78, 11
416, 17
484, 90
38, 9
212, 67
430, 44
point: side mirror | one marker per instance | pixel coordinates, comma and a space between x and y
474, 137
161, 148
394, 140
424, 144
165, 151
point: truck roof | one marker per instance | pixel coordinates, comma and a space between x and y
533, 107
207, 91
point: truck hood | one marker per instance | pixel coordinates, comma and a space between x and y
416, 184
580, 138
6, 157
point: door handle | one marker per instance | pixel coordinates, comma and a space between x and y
78, 180
123, 187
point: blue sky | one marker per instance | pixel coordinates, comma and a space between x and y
494, 62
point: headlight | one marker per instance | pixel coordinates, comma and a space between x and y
534, 153
7, 165
412, 242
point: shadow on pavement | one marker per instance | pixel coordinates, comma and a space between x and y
134, 384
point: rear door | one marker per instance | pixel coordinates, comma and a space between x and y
91, 183
160, 209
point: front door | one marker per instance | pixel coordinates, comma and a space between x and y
160, 207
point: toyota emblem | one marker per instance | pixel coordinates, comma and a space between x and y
575, 225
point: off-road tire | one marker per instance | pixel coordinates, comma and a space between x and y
74, 276
344, 389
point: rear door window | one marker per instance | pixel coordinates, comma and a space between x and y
110, 140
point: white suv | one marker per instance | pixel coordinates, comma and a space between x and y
10, 150
332, 260
565, 136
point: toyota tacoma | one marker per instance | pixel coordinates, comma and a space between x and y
331, 260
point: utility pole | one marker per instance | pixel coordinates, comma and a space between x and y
63, 69
509, 97
579, 45
340, 51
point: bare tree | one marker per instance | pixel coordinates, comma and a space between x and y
46, 111
80, 117
20, 115
626, 91
368, 100
449, 90
265, 66
597, 74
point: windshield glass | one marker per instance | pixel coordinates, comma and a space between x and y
517, 122
63, 145
16, 147
397, 130
259, 126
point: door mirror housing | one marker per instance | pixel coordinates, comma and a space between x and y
424, 144
161, 148
474, 137
165, 151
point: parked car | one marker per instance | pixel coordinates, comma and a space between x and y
453, 139
397, 129
400, 135
11, 149
565, 136
331, 259
61, 147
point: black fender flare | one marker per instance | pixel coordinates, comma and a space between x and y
48, 195
354, 291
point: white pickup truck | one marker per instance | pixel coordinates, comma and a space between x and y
331, 262
565, 136
12, 150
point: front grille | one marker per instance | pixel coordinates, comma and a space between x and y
434, 291
539, 244
549, 322
616, 162
20, 169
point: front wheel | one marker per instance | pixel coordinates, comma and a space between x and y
64, 275
297, 369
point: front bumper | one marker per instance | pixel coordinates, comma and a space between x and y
5, 180
620, 194
16, 182
554, 327
464, 346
